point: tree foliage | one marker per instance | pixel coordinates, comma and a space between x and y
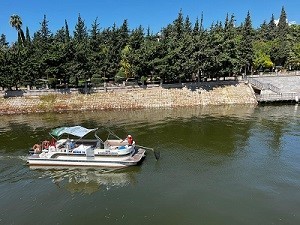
182, 51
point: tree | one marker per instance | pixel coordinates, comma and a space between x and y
123, 34
282, 46
136, 38
16, 22
95, 35
179, 52
11, 69
112, 52
135, 42
261, 51
196, 27
229, 53
145, 58
201, 49
262, 32
42, 44
31, 70
80, 32
81, 64
187, 25
215, 49
246, 46
3, 42
67, 33
95, 57
44, 31
125, 61
271, 29
178, 25
293, 59
28, 38
282, 27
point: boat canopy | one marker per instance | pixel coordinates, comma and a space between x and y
78, 131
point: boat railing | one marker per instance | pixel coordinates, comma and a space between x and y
99, 141
290, 96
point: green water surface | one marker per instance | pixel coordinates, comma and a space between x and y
234, 165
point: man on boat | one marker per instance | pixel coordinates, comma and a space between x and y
70, 144
129, 139
37, 149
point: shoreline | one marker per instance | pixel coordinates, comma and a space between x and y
219, 93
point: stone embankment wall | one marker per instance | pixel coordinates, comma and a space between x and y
209, 94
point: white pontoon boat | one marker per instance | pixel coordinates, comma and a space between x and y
113, 152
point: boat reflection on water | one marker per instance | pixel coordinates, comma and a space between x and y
88, 181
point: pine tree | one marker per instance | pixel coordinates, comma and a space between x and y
44, 31
187, 25
95, 30
196, 28
246, 45
136, 38
123, 32
282, 28
178, 25
282, 46
271, 29
215, 49
262, 32
80, 32
229, 48
94, 37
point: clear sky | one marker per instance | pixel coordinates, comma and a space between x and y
153, 13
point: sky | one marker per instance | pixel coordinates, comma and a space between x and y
154, 14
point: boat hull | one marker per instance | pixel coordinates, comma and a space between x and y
76, 160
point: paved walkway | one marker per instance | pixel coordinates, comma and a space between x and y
284, 83
277, 88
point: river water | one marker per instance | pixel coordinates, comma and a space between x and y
218, 165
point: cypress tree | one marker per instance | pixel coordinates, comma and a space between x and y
3, 42
67, 33
27, 37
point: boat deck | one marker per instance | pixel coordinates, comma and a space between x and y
138, 155
62, 159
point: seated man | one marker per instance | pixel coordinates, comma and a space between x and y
129, 139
